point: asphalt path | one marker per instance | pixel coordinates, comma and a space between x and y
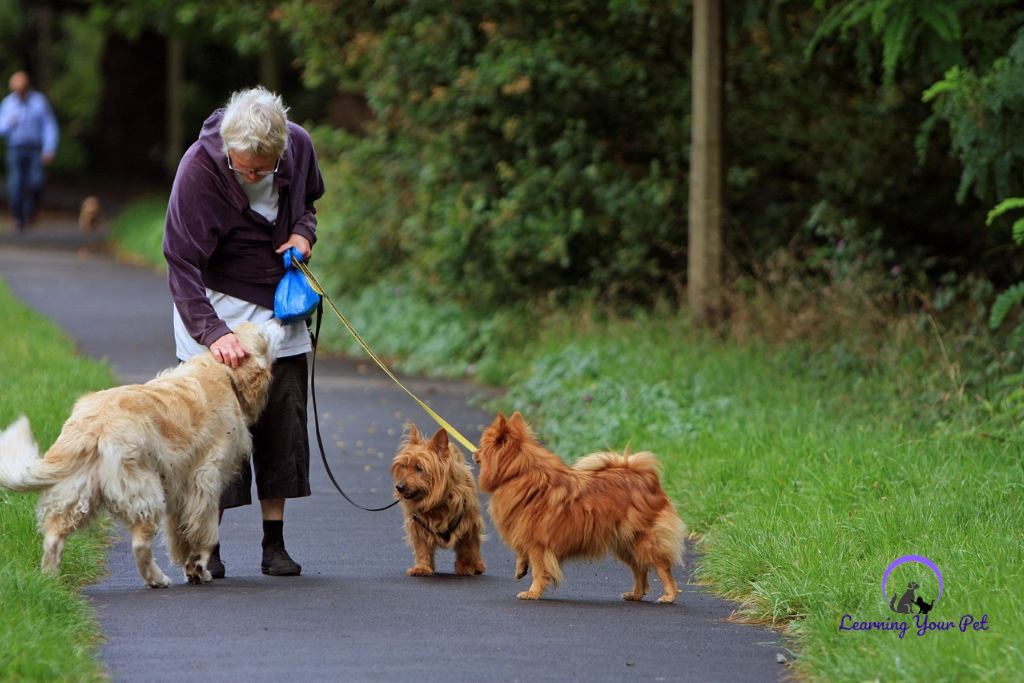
354, 615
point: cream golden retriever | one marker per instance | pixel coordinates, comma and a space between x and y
149, 453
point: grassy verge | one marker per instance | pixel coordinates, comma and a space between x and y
47, 630
138, 230
805, 471
805, 483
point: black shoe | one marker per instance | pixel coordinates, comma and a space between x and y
214, 564
276, 562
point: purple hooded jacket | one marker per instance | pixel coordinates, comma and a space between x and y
212, 238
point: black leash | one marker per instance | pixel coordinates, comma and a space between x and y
445, 536
316, 416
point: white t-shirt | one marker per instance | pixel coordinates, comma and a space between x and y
263, 198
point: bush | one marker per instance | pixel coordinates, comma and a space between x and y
519, 151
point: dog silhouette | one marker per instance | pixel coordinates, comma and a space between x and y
906, 602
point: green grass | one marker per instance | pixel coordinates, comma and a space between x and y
47, 629
138, 231
804, 485
804, 472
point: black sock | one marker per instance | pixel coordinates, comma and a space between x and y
273, 533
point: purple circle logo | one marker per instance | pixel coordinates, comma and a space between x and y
908, 599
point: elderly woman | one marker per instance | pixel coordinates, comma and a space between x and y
242, 196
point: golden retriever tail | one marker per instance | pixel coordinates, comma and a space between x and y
21, 469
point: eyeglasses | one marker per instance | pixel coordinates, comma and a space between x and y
262, 174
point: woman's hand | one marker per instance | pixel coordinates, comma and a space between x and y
300, 243
229, 350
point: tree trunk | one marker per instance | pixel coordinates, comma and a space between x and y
131, 124
704, 267
175, 104
270, 70
44, 49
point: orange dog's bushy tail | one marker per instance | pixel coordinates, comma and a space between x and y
644, 468
644, 464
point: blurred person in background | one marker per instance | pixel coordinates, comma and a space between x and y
28, 123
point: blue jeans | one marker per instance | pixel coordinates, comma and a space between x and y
25, 178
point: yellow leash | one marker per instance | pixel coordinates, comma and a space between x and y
318, 288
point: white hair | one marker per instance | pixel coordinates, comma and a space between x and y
255, 122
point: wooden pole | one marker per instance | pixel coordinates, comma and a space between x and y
704, 260
175, 122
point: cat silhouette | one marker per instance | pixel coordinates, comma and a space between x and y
923, 606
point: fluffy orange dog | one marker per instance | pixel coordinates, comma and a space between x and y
440, 503
548, 512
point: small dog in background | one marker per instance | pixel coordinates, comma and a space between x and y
440, 503
90, 214
548, 512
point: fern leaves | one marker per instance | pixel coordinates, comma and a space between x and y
901, 26
1004, 303
1013, 296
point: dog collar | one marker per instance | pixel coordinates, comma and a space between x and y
443, 535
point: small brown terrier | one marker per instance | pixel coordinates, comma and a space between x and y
440, 503
548, 512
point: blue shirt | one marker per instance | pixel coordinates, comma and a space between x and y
29, 122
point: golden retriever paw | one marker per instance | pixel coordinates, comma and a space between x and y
197, 574
666, 599
529, 595
160, 582
198, 578
419, 570
633, 597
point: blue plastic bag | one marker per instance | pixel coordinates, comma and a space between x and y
295, 299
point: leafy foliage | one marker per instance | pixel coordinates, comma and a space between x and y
980, 95
1013, 296
521, 153
1004, 303
531, 150
935, 35
985, 112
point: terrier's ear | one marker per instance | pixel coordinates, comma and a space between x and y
440, 443
414, 434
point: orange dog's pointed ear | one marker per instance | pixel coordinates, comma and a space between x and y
414, 434
440, 442
517, 417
